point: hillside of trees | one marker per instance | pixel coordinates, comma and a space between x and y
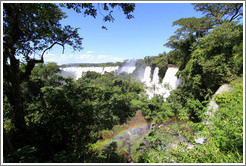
51, 119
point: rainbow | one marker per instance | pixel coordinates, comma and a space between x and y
136, 126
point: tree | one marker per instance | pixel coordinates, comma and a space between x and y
92, 9
30, 29
221, 12
207, 51
190, 30
214, 59
193, 28
197, 27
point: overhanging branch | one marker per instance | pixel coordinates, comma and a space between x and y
31, 63
42, 56
236, 13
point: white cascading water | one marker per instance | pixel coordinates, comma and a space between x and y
110, 69
77, 72
152, 86
146, 78
170, 77
169, 83
155, 79
170, 80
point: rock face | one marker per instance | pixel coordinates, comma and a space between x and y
212, 105
138, 120
212, 108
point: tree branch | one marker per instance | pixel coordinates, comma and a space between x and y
31, 63
235, 15
42, 56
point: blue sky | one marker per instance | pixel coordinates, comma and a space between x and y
144, 35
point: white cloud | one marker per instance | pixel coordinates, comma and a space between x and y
86, 57
109, 58
90, 52
83, 58
50, 55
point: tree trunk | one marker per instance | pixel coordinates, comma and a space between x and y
14, 97
7, 146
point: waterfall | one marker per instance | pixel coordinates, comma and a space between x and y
170, 77
146, 78
152, 86
169, 83
74, 72
77, 72
155, 79
110, 69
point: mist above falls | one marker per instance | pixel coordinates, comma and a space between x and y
128, 67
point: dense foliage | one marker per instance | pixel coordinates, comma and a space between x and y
215, 59
207, 58
31, 29
64, 116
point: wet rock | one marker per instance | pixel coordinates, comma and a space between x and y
199, 140
213, 106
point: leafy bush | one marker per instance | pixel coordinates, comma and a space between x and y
26, 154
106, 134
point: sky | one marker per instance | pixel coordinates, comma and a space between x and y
144, 35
